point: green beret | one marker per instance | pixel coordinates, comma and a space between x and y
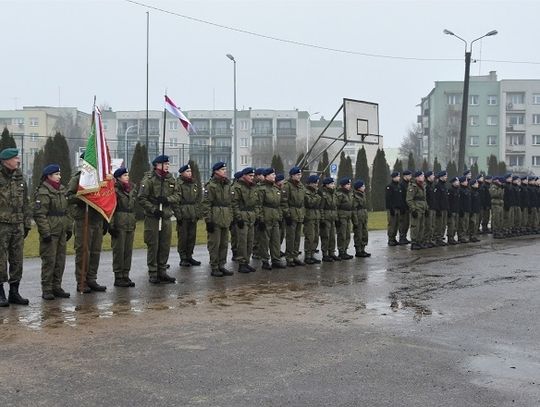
9, 153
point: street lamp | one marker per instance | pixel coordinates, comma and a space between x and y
234, 116
465, 100
126, 141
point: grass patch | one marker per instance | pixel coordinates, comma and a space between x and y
376, 221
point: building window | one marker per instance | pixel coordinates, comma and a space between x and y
173, 125
515, 160
173, 142
473, 121
492, 100
19, 121
536, 98
34, 122
222, 142
174, 159
536, 118
517, 98
202, 127
492, 140
244, 159
244, 124
516, 140
454, 98
513, 119
474, 141
244, 142
536, 140
536, 160
473, 160
492, 121
474, 100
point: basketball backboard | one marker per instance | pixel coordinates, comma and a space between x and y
361, 122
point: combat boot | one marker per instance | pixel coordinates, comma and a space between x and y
185, 263
225, 271
299, 262
416, 246
194, 262
14, 296
309, 260
94, 286
278, 265
166, 279
363, 253
216, 273
60, 293
404, 241
121, 282
291, 263
328, 259
47, 295
3, 300
335, 258
316, 260
266, 265
345, 256
243, 268
252, 269
393, 242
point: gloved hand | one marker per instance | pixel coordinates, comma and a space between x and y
338, 223
113, 232
210, 227
105, 227
162, 200
69, 233
426, 213
158, 214
438, 213
414, 214
288, 220
26, 231
392, 212
47, 239
240, 223
261, 226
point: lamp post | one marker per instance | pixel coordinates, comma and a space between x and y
235, 141
465, 99
126, 141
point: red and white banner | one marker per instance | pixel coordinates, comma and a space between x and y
175, 111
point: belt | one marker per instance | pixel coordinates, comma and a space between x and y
56, 213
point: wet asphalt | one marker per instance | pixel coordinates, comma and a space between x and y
453, 326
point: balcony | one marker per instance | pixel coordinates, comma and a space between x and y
510, 128
221, 132
261, 132
515, 148
515, 107
286, 132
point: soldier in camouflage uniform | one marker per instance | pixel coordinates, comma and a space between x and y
233, 229
416, 201
245, 205
157, 196
496, 193
122, 228
328, 220
312, 203
440, 202
393, 200
280, 178
464, 209
429, 228
404, 218
15, 218
55, 229
485, 202
516, 208
187, 213
218, 216
476, 208
360, 219
508, 205
292, 205
344, 201
453, 211
259, 179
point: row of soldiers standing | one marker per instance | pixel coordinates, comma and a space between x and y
430, 208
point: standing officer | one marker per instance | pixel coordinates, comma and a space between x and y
187, 214
232, 229
524, 203
360, 219
508, 204
328, 220
516, 185
312, 203
464, 209
55, 228
474, 217
404, 210
429, 235
245, 206
393, 197
453, 211
122, 228
496, 193
485, 202
416, 201
269, 219
280, 178
344, 201
293, 194
77, 209
259, 179
157, 196
218, 217
440, 204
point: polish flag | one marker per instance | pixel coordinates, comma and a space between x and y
175, 111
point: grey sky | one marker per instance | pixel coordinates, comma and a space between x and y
71, 50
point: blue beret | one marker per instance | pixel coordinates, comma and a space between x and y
407, 172
480, 176
184, 168
328, 180
466, 172
473, 182
267, 171
488, 177
344, 181
160, 159
508, 175
238, 174
454, 179
394, 174
429, 174
515, 177
418, 173
523, 178
120, 171
248, 170
462, 179
441, 174
218, 166
50, 169
259, 171
295, 170
358, 184
280, 177
8, 153
313, 179
531, 177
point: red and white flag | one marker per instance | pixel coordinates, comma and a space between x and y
175, 111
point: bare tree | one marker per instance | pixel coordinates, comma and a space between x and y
412, 144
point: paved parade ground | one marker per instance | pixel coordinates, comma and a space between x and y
452, 326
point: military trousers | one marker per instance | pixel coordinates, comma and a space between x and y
485, 218
244, 242
532, 218
497, 221
328, 237
158, 245
11, 251
524, 218
474, 221
293, 234
271, 243
311, 237
234, 238
282, 228
517, 217
429, 226
452, 225
418, 225
393, 224
217, 244
93, 249
404, 223
343, 234
360, 234
440, 222
463, 226
186, 231
122, 252
508, 220
53, 262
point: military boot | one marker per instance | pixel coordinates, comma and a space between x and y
216, 273
309, 260
225, 271
47, 295
327, 259
251, 269
14, 296
335, 258
345, 256
416, 246
94, 286
243, 268
60, 293
3, 300
121, 282
266, 265
299, 262
194, 262
185, 263
278, 265
166, 279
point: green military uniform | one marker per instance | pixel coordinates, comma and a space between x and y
218, 216
344, 202
55, 228
496, 192
312, 218
15, 223
122, 230
153, 189
245, 205
269, 218
292, 203
360, 219
416, 201
187, 214
328, 223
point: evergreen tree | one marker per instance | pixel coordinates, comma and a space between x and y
139, 164
451, 168
410, 162
381, 175
7, 140
362, 172
326, 164
348, 164
342, 168
36, 170
398, 166
436, 166
277, 164
49, 155
501, 168
493, 166
474, 170
425, 166
63, 157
